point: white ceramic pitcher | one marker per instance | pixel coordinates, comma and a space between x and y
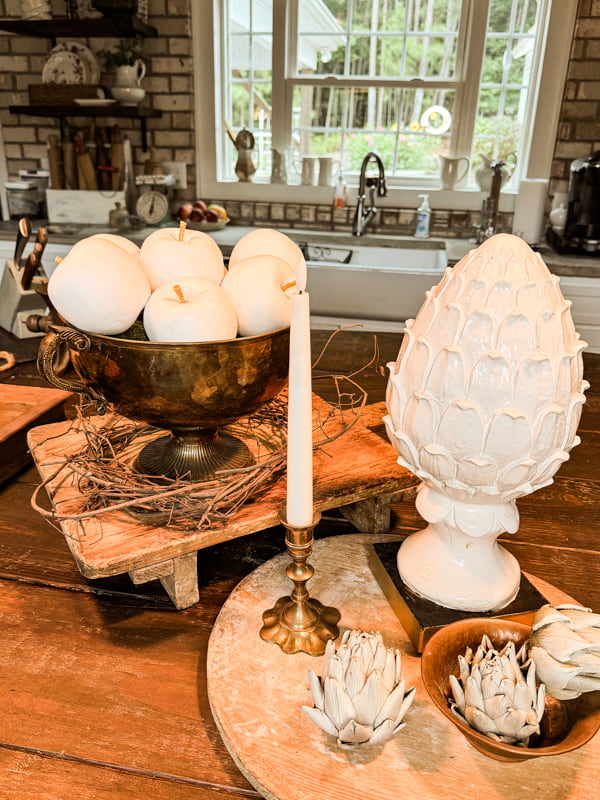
451, 172
131, 75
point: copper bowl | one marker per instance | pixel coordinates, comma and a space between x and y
190, 389
565, 725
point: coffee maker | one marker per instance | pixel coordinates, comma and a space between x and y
582, 227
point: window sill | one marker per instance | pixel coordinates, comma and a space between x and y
458, 200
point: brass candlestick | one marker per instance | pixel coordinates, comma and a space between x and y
299, 623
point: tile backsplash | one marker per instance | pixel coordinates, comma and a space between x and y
389, 221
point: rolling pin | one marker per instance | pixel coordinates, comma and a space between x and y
116, 158
55, 163
86, 174
103, 165
70, 169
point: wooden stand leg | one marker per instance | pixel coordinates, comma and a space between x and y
178, 575
372, 515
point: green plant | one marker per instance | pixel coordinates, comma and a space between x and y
126, 53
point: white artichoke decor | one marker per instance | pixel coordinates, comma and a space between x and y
483, 405
565, 646
360, 698
496, 693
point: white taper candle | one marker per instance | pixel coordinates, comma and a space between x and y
299, 508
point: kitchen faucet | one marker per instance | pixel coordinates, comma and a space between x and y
489, 209
364, 214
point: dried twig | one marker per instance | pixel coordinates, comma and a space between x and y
107, 482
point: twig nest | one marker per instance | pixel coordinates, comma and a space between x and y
360, 698
496, 693
565, 646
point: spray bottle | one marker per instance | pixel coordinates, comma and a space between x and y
339, 199
423, 218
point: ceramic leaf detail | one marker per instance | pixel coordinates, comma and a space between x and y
483, 405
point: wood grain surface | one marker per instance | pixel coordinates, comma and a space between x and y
103, 684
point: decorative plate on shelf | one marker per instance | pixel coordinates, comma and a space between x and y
71, 62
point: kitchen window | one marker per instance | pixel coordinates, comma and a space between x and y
412, 79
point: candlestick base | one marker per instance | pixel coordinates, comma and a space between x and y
299, 623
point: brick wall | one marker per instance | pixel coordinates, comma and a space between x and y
168, 85
579, 127
169, 88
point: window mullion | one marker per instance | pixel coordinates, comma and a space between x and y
285, 17
472, 36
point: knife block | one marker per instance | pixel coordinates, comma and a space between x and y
16, 303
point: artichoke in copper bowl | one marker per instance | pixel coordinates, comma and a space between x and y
496, 693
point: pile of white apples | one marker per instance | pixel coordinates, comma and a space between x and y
178, 282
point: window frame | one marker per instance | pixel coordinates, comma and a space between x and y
207, 20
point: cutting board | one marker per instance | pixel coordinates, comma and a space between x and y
20, 408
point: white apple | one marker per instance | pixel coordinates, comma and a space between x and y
99, 287
190, 310
266, 241
173, 253
122, 241
260, 288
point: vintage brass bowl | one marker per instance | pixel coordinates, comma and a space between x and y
566, 724
189, 389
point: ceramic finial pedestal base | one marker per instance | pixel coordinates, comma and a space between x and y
420, 617
299, 623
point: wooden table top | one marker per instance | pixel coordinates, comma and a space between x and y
103, 684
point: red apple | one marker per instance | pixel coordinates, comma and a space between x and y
173, 253
201, 205
190, 310
197, 215
185, 209
211, 216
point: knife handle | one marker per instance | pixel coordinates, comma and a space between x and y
23, 234
29, 271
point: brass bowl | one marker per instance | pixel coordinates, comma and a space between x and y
190, 389
565, 725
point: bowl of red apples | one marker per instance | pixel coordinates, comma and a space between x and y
165, 334
203, 216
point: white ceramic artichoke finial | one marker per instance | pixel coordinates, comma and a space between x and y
483, 405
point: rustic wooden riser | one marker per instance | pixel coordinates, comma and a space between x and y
356, 473
21, 407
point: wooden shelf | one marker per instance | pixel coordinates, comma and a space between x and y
119, 27
73, 110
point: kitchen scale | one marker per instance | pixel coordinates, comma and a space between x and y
153, 203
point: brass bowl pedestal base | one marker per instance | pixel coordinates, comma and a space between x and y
299, 623
194, 453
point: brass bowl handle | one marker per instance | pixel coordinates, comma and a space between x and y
48, 349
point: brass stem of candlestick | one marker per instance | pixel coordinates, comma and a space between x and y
299, 623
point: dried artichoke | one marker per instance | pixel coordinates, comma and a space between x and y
565, 646
495, 696
360, 698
